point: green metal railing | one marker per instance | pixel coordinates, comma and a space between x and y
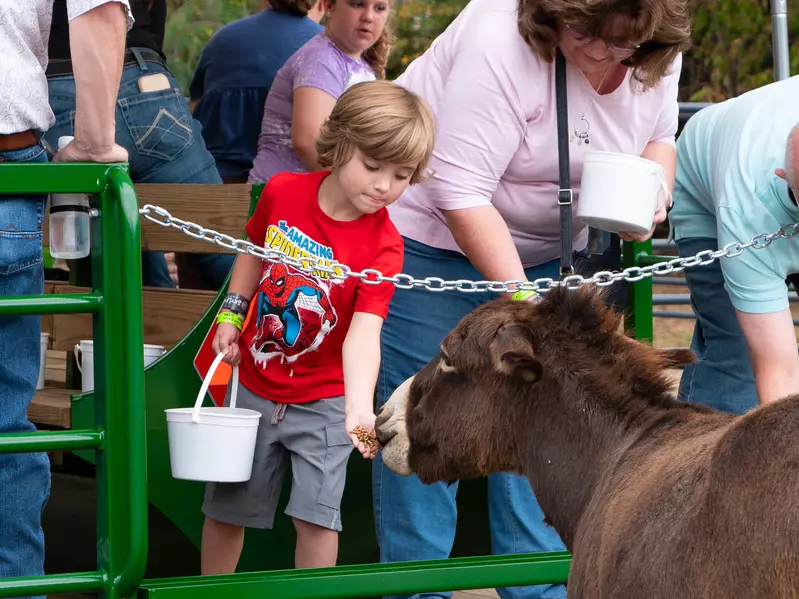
119, 434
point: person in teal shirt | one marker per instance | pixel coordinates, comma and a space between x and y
737, 170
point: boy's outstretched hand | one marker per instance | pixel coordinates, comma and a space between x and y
361, 428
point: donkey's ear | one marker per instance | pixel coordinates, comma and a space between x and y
512, 352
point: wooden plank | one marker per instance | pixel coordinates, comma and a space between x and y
55, 373
223, 208
52, 406
169, 314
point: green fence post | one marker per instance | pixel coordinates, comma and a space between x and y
119, 371
119, 431
638, 317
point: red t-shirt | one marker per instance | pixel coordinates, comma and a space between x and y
291, 346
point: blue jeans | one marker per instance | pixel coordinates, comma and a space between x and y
165, 145
416, 521
24, 477
723, 377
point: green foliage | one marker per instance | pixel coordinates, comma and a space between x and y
731, 50
416, 24
190, 24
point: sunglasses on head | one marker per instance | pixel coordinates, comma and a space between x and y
582, 37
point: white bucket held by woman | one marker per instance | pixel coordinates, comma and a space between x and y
620, 193
212, 444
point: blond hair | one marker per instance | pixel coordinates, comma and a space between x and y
376, 55
661, 28
385, 122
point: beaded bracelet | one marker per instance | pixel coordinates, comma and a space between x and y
232, 318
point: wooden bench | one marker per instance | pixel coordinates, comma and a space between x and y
169, 314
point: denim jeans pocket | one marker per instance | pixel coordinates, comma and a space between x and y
64, 125
20, 233
159, 123
21, 219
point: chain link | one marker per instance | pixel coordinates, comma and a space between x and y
369, 276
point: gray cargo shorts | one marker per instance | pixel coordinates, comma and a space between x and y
313, 436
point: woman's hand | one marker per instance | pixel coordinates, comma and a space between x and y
365, 420
226, 342
660, 216
666, 156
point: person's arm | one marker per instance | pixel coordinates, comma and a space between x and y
361, 351
665, 154
311, 108
483, 236
755, 282
97, 45
244, 281
246, 275
245, 278
481, 124
361, 359
773, 352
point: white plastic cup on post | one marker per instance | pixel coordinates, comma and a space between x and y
69, 221
84, 357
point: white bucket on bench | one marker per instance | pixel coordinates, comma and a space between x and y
84, 356
620, 193
212, 444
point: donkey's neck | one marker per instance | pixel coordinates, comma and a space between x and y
565, 452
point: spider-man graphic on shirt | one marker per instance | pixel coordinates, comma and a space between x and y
293, 314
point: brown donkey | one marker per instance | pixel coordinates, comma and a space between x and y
655, 498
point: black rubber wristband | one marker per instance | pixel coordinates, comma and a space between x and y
236, 303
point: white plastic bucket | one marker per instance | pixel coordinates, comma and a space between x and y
84, 356
44, 343
620, 193
212, 444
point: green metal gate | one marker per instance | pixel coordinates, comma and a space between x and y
118, 438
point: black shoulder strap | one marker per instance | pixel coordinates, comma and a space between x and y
565, 192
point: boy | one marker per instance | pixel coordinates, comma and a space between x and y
310, 352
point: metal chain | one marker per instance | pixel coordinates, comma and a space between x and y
369, 276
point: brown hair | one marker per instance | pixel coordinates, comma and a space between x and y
661, 27
295, 7
383, 120
376, 56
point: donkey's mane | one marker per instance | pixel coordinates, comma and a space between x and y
580, 336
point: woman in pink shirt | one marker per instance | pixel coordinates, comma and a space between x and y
490, 211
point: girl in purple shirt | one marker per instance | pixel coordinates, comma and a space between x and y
353, 47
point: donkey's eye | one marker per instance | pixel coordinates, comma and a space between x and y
444, 364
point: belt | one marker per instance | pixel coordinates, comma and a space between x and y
63, 66
18, 141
